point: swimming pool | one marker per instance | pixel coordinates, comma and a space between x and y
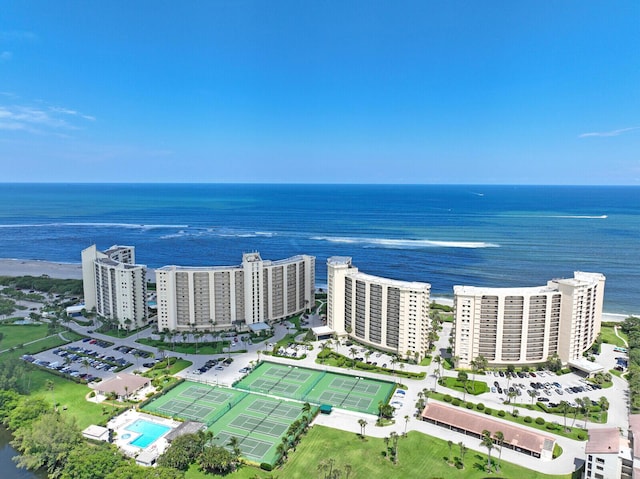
149, 432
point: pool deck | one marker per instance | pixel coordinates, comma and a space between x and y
120, 423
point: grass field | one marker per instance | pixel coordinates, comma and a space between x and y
608, 335
417, 453
67, 394
13, 335
217, 347
473, 387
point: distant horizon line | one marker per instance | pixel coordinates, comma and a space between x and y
307, 184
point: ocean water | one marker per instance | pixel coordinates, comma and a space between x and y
444, 235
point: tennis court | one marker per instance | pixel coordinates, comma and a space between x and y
196, 402
259, 423
318, 387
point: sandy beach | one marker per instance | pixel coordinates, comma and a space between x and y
21, 267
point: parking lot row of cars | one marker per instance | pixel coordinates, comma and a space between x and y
219, 364
136, 352
62, 368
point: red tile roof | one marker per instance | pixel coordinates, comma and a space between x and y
603, 441
477, 423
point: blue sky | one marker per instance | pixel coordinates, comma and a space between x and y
524, 92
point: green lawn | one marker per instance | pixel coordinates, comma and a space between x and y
160, 368
608, 335
473, 387
218, 347
417, 453
13, 335
426, 361
67, 394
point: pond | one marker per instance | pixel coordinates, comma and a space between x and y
7, 466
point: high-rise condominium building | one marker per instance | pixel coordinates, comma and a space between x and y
222, 297
387, 314
115, 286
528, 325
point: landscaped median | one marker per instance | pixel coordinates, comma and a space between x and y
331, 358
574, 433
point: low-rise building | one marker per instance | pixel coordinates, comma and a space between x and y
609, 455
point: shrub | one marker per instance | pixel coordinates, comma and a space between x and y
501, 413
455, 402
92, 394
447, 398
581, 436
469, 405
539, 421
480, 406
528, 419
266, 466
488, 411
551, 427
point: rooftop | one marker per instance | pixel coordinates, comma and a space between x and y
123, 384
603, 441
475, 423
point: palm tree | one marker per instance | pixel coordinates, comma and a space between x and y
564, 407
394, 437
234, 443
474, 368
580, 405
463, 378
50, 387
281, 451
438, 361
499, 436
487, 441
347, 470
406, 423
511, 395
363, 425
394, 360
532, 394
450, 444
85, 363
306, 408
353, 352
323, 347
463, 451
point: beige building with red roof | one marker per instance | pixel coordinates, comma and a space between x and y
608, 455
123, 385
517, 438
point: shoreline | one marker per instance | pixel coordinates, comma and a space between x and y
59, 270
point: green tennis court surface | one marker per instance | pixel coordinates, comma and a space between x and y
260, 422
318, 387
196, 402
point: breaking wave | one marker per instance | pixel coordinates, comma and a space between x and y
405, 243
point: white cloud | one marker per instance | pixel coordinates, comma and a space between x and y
39, 119
608, 133
5, 56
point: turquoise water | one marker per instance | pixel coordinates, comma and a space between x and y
149, 432
494, 236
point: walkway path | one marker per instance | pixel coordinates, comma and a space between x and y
615, 328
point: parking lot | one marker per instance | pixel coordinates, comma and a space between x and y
89, 359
